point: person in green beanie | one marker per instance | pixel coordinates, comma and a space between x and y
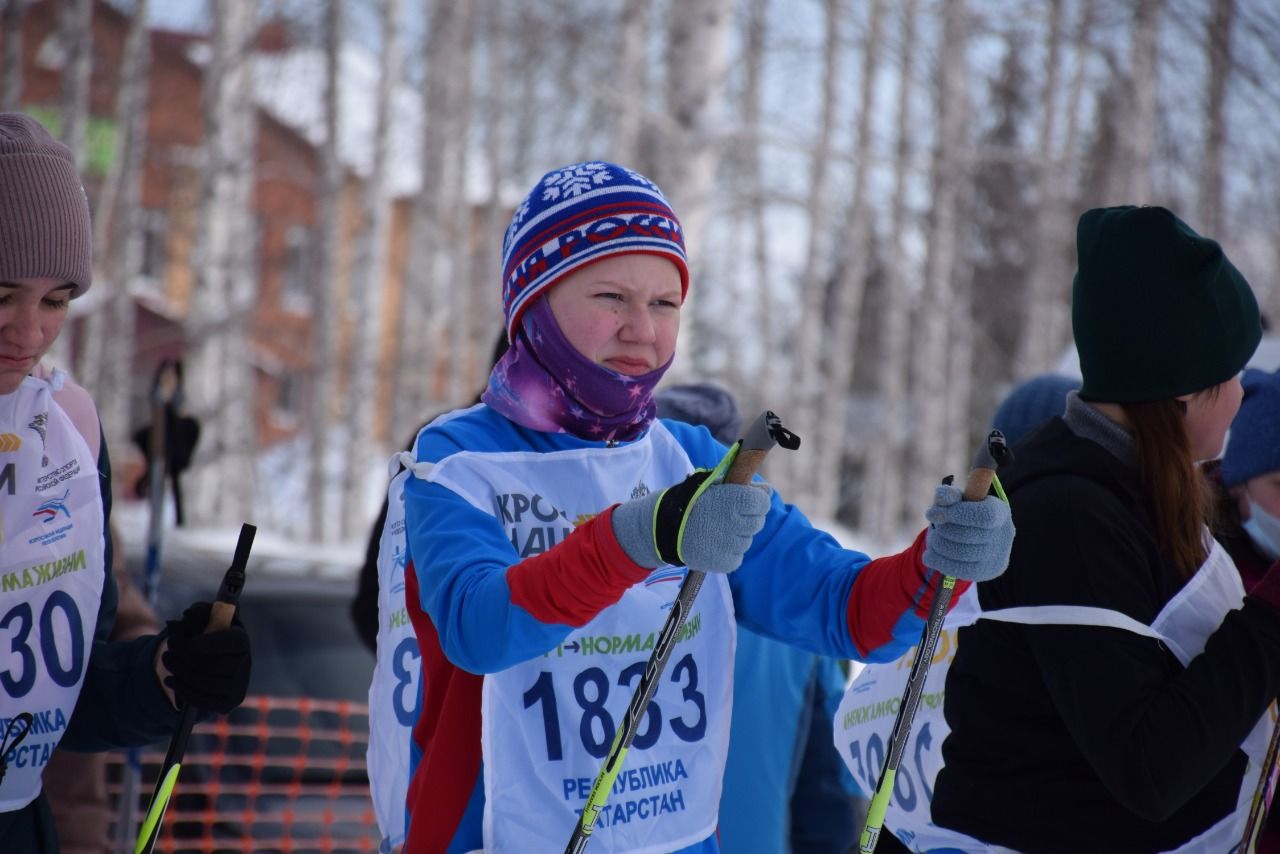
1116, 692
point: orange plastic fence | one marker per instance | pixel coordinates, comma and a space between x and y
276, 775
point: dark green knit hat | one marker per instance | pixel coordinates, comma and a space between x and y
1157, 310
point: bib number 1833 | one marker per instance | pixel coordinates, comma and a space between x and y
596, 727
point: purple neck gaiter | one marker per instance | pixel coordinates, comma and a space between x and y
544, 383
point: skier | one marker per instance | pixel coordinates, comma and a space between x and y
1123, 706
62, 684
548, 529
1246, 516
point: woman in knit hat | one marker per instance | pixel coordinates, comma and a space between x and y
1114, 694
539, 566
62, 684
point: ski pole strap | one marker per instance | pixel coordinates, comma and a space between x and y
742, 461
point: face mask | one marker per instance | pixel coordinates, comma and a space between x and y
1264, 530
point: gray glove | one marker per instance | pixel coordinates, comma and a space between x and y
969, 540
706, 526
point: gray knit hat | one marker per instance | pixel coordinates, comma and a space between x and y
44, 214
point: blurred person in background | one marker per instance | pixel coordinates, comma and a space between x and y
780, 794
1030, 403
63, 683
1247, 511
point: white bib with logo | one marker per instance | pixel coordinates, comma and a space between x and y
548, 723
867, 712
394, 691
51, 577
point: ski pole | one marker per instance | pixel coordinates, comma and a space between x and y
992, 454
220, 615
158, 453
741, 462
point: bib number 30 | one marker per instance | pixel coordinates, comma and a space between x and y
19, 677
596, 727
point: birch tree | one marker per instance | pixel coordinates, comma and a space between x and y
75, 42
423, 323
1044, 306
1210, 190
224, 477
456, 287
886, 466
1138, 139
323, 318
752, 167
629, 102
11, 85
118, 237
696, 63
76, 37
936, 347
369, 278
850, 283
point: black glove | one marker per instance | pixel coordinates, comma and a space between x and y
208, 671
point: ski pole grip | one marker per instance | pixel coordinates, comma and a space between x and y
224, 605
765, 432
992, 453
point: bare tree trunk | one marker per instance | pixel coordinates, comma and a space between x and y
222, 379
843, 340
11, 24
323, 318
118, 239
1139, 140
807, 388
423, 324
697, 59
887, 463
935, 344
630, 100
76, 35
1211, 169
753, 167
1040, 306
369, 281
456, 289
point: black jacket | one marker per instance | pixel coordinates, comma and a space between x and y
1078, 738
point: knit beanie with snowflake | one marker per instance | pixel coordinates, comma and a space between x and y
579, 214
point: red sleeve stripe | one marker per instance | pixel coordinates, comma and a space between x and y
571, 583
889, 587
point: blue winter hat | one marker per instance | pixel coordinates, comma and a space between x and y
1254, 444
579, 214
1031, 403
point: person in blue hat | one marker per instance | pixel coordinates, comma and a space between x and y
1247, 513
1030, 404
547, 531
1113, 693
781, 794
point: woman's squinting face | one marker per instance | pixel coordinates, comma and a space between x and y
622, 312
1209, 414
32, 312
